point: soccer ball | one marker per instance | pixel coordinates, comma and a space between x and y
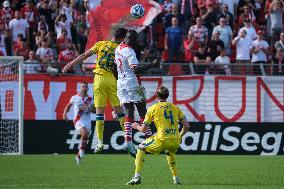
137, 11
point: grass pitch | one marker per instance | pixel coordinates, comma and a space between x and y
113, 171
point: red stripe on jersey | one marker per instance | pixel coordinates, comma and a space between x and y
122, 45
81, 111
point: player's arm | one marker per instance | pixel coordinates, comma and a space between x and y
185, 127
66, 110
143, 128
141, 69
77, 60
93, 109
146, 123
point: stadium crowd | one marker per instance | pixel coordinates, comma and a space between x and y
202, 32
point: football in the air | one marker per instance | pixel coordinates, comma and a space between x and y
137, 11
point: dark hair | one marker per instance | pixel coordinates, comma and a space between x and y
162, 93
84, 82
120, 33
131, 38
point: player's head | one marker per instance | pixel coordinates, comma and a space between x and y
120, 34
131, 38
162, 93
84, 88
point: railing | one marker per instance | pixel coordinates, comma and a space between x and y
169, 69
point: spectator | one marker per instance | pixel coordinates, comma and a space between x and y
202, 57
276, 13
215, 46
167, 6
247, 14
82, 39
66, 8
17, 26
22, 49
174, 13
31, 66
42, 34
227, 15
224, 62
67, 55
45, 55
278, 63
60, 24
174, 40
250, 31
230, 5
279, 45
46, 8
30, 14
62, 41
225, 34
243, 45
3, 41
42, 25
189, 10
6, 14
259, 52
199, 31
210, 19
190, 46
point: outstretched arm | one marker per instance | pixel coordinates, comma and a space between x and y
141, 69
143, 128
77, 60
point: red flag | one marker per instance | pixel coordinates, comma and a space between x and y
110, 15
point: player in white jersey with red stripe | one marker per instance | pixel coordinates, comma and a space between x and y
129, 89
83, 106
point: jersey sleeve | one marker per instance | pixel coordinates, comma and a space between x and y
95, 48
132, 60
148, 117
72, 100
181, 115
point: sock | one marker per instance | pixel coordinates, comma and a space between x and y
100, 126
83, 144
128, 129
148, 133
172, 163
139, 161
121, 120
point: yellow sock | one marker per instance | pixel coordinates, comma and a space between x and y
100, 127
139, 161
172, 163
121, 120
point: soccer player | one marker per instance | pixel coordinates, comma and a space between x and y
165, 116
83, 106
104, 81
130, 90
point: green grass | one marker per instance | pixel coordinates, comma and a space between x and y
113, 171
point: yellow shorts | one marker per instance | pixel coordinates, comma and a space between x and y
105, 89
154, 145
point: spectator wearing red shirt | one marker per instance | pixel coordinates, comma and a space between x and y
67, 55
190, 47
62, 41
22, 49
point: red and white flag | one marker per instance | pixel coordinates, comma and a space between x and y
109, 15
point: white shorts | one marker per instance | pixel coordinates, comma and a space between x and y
135, 94
79, 125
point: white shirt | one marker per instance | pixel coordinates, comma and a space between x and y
225, 34
260, 55
78, 102
225, 61
31, 66
17, 27
44, 52
125, 58
251, 33
243, 48
63, 25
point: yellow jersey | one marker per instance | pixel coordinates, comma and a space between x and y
105, 56
166, 117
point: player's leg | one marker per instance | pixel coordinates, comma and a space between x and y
171, 158
84, 141
141, 108
100, 100
129, 110
150, 145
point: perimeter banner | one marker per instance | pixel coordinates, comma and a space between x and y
201, 98
46, 137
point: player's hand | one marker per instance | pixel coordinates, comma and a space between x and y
65, 69
135, 125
